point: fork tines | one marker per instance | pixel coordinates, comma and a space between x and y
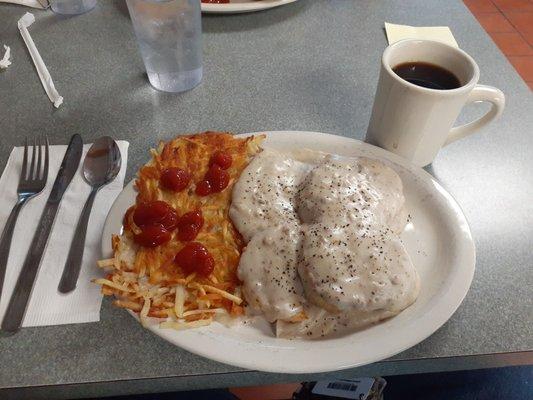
36, 173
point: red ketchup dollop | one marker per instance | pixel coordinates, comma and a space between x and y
189, 225
217, 178
156, 219
175, 179
194, 257
152, 235
203, 188
222, 159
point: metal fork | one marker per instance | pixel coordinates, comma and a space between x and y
31, 182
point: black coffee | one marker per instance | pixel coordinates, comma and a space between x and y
427, 75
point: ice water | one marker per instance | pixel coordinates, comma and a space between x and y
72, 6
169, 34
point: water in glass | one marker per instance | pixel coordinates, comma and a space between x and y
169, 36
72, 6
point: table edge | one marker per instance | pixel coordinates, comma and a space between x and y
249, 378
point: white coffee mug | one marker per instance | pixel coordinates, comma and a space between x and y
415, 122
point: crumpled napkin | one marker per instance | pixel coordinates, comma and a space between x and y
5, 61
47, 306
438, 33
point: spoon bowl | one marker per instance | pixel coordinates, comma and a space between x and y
102, 162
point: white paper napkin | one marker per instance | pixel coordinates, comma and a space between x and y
47, 306
29, 3
438, 33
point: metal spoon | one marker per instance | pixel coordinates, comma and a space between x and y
101, 166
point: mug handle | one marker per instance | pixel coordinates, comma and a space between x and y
479, 93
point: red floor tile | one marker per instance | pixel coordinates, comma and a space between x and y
479, 6
511, 28
524, 66
514, 5
494, 22
523, 22
512, 44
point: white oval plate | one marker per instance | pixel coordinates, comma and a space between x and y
242, 6
438, 240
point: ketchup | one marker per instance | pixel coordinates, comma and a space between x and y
189, 225
194, 257
155, 212
222, 159
216, 1
152, 235
203, 188
217, 178
175, 179
156, 220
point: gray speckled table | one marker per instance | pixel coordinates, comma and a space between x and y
311, 65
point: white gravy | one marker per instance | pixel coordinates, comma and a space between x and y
323, 242
263, 196
366, 192
356, 270
268, 271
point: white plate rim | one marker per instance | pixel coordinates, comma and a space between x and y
456, 291
251, 6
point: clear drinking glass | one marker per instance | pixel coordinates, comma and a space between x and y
72, 6
169, 33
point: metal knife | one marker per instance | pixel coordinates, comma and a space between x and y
21, 295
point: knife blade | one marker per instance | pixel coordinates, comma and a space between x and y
18, 303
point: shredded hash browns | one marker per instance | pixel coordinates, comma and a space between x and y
145, 279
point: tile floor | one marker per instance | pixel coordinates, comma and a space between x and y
510, 24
